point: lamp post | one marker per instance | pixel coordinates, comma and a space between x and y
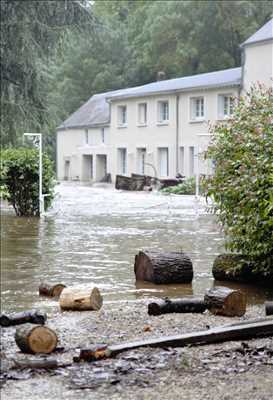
41, 198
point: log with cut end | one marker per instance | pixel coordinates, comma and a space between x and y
269, 308
36, 339
160, 268
186, 305
225, 301
81, 299
32, 316
47, 289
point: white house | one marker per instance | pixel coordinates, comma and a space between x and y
161, 128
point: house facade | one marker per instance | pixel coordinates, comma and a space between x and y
162, 128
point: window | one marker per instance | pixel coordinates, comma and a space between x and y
122, 161
142, 114
122, 115
163, 161
191, 160
141, 160
182, 160
163, 111
86, 136
226, 105
102, 135
197, 108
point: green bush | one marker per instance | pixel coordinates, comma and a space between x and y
242, 186
186, 187
20, 180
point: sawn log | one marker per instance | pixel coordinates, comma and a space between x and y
244, 331
269, 308
226, 301
36, 339
185, 305
50, 290
81, 299
32, 316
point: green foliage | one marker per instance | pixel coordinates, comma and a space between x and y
20, 180
242, 186
186, 187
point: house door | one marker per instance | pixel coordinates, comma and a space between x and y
66, 170
101, 166
163, 161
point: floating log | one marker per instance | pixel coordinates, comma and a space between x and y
225, 301
160, 268
32, 316
47, 289
81, 299
170, 182
269, 308
36, 339
186, 305
245, 331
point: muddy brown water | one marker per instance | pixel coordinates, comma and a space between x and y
92, 235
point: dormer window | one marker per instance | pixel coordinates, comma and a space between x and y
225, 105
122, 115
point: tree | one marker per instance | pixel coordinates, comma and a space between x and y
242, 186
31, 31
20, 180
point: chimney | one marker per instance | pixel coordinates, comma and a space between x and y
161, 76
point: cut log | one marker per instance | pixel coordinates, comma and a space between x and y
36, 339
186, 305
225, 301
47, 289
80, 299
160, 268
269, 308
34, 317
249, 330
93, 353
123, 182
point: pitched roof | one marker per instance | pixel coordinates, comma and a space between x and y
227, 77
263, 34
96, 111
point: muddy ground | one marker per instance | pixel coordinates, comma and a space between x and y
241, 370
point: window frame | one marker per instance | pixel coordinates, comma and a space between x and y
162, 121
221, 105
193, 115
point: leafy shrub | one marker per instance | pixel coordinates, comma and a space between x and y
186, 187
20, 180
242, 186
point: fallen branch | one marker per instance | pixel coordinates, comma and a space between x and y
215, 335
34, 317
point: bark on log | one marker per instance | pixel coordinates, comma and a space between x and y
186, 305
225, 301
47, 289
160, 268
34, 317
269, 308
245, 331
123, 182
81, 299
36, 339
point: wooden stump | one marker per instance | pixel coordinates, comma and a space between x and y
160, 268
36, 339
186, 305
269, 308
225, 301
34, 317
46, 289
79, 299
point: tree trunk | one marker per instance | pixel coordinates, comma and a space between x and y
269, 308
46, 289
81, 299
34, 317
225, 301
186, 305
36, 339
160, 268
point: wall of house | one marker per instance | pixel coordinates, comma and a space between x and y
258, 64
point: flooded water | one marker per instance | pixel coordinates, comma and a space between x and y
92, 235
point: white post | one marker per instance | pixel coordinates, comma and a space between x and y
41, 197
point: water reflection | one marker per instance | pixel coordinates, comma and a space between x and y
92, 235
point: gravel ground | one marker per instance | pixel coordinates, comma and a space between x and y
229, 370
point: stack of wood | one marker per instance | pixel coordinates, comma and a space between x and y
163, 268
